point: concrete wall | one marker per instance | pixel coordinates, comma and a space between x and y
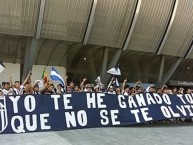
14, 70
38, 69
10, 69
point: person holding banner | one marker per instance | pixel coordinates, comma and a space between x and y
76, 89
6, 89
96, 89
48, 88
125, 88
131, 91
36, 89
60, 89
111, 90
87, 87
69, 89
138, 89
82, 83
118, 90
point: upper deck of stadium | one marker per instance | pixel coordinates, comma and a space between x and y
151, 40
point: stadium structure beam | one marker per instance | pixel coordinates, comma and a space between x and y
170, 72
161, 68
169, 26
33, 44
112, 64
30, 55
189, 51
135, 17
104, 65
90, 22
40, 19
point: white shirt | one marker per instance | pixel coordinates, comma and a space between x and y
111, 92
19, 91
8, 92
125, 94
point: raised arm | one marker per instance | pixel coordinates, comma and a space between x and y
123, 85
27, 78
66, 80
11, 81
82, 83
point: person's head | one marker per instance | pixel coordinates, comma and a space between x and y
139, 90
158, 90
174, 90
152, 89
76, 89
17, 84
6, 86
118, 90
59, 86
165, 90
110, 89
72, 85
51, 88
132, 90
188, 91
3, 84
126, 88
27, 87
36, 88
96, 89
68, 89
1, 93
181, 91
88, 88
103, 87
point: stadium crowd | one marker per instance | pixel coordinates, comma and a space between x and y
47, 87
17, 88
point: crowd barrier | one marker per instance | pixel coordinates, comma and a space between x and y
34, 113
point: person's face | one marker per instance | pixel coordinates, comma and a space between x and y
72, 85
158, 90
132, 90
36, 89
59, 87
27, 87
76, 89
174, 90
88, 88
165, 91
50, 88
127, 90
68, 88
110, 89
6, 86
17, 84
188, 91
103, 86
181, 91
139, 90
152, 90
118, 91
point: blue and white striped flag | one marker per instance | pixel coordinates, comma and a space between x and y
54, 75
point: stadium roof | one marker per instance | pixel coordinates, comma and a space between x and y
80, 28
